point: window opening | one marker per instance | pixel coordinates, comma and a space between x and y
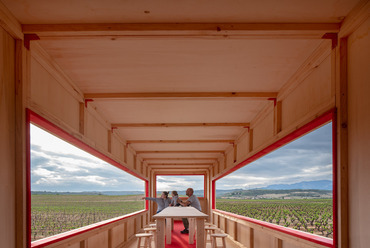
290, 187
71, 188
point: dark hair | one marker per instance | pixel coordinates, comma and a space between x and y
174, 192
166, 193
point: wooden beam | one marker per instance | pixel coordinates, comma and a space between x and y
150, 164
275, 30
147, 159
210, 151
238, 124
81, 123
178, 141
125, 95
342, 147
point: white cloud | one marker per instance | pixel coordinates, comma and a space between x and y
59, 166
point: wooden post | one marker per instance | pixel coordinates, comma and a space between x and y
251, 238
22, 76
160, 233
342, 147
278, 243
82, 118
250, 140
109, 140
200, 233
235, 152
278, 110
125, 153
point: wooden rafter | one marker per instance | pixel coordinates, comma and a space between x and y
196, 151
150, 164
178, 141
235, 124
128, 95
275, 30
148, 159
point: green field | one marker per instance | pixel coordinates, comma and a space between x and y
52, 214
309, 215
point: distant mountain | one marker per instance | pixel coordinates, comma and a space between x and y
321, 184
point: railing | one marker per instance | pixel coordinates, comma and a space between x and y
109, 233
254, 233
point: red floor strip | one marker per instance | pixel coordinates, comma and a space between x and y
180, 240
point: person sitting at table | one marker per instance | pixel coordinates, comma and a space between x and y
175, 199
193, 202
162, 202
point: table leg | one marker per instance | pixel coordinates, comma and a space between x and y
200, 233
168, 230
191, 230
160, 233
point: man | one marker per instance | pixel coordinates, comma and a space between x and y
193, 202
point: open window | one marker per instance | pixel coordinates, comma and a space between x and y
291, 188
71, 188
180, 183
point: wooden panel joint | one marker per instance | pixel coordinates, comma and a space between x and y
28, 38
88, 100
333, 37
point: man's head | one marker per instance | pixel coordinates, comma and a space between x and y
189, 192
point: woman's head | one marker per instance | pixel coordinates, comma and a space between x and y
174, 193
164, 194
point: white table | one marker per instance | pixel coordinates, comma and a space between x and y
194, 216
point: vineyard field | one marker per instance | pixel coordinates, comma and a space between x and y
52, 214
308, 215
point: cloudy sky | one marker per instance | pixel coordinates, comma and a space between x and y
179, 183
308, 158
59, 166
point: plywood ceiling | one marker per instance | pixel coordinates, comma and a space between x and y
177, 61
169, 11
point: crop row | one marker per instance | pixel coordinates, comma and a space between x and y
313, 216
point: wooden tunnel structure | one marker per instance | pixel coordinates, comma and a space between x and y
186, 87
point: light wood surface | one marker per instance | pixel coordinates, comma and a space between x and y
196, 220
122, 125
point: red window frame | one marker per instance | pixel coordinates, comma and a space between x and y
200, 174
33, 118
319, 121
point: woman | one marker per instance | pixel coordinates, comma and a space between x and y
162, 202
175, 199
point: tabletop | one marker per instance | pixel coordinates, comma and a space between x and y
179, 212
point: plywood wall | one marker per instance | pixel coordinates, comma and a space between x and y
7, 140
308, 94
359, 135
55, 97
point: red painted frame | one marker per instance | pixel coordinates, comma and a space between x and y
204, 181
319, 121
32, 117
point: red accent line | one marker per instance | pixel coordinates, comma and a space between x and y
59, 237
299, 234
28, 177
88, 100
326, 117
335, 162
213, 194
27, 40
146, 194
195, 174
272, 99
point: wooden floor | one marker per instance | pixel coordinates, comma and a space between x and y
182, 240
